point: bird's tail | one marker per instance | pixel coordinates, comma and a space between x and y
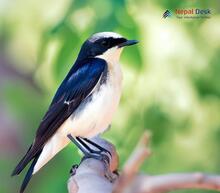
29, 174
22, 164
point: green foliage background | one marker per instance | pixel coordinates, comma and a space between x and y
171, 82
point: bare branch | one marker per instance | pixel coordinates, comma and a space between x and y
90, 175
133, 164
170, 182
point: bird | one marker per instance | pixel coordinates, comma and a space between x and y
84, 103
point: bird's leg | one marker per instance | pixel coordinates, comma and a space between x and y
86, 150
90, 153
100, 154
82, 148
101, 149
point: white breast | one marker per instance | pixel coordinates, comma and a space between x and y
98, 113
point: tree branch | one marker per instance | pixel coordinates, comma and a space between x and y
133, 164
170, 182
92, 175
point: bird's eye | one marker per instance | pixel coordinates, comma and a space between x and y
104, 43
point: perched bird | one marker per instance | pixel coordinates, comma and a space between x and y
84, 103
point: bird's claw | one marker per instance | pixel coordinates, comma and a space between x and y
73, 169
108, 174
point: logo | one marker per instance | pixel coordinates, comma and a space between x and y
193, 13
189, 13
166, 14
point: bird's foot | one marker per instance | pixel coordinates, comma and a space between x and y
73, 169
101, 156
97, 152
98, 149
105, 159
108, 174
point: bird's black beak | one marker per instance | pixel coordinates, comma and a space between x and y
128, 43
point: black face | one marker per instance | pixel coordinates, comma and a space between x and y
94, 47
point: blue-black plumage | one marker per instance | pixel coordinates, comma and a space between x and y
83, 104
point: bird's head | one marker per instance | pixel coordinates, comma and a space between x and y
105, 45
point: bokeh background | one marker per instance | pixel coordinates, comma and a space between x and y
171, 82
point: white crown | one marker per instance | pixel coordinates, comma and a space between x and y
99, 35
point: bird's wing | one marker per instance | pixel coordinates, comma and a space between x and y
77, 86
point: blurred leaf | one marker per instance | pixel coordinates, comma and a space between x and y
207, 82
158, 122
